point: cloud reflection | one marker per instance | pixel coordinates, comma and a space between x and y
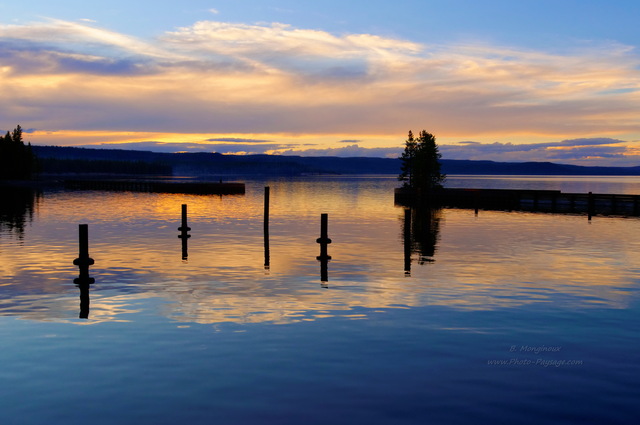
491, 261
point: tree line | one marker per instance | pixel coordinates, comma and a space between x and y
17, 161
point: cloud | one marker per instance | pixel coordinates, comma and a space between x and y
171, 147
275, 79
214, 11
347, 151
583, 151
238, 140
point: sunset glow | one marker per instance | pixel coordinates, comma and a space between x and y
223, 85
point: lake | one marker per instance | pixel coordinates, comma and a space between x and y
443, 317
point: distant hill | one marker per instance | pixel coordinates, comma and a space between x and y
451, 166
215, 164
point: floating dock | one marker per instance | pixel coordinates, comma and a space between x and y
551, 201
200, 188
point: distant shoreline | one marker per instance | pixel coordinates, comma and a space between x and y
214, 164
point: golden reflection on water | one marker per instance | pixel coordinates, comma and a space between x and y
490, 261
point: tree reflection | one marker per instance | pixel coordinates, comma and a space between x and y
421, 231
17, 208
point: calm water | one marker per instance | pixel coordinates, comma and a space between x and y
495, 318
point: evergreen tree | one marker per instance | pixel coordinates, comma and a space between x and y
16, 159
421, 163
17, 135
408, 158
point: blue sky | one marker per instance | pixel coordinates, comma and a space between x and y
500, 80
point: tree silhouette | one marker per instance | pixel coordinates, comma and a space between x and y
420, 167
16, 160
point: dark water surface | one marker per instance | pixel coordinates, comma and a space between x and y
496, 318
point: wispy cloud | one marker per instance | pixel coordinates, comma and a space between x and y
585, 151
227, 78
346, 151
227, 146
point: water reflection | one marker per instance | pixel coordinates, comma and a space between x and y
17, 208
420, 234
406, 238
491, 261
84, 299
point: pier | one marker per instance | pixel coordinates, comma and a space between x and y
550, 201
200, 188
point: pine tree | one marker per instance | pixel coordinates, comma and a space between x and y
421, 163
16, 160
408, 159
17, 135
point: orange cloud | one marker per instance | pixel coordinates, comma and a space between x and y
216, 78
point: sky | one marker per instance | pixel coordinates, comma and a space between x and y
493, 80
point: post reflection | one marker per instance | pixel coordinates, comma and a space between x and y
421, 231
83, 283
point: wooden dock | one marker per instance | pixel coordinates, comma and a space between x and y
550, 201
158, 186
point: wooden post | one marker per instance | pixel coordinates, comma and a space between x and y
267, 259
590, 205
183, 233
184, 228
324, 240
83, 251
83, 262
267, 191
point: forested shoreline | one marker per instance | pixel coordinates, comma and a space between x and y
23, 161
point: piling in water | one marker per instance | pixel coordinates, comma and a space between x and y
267, 261
184, 228
324, 241
183, 232
83, 262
